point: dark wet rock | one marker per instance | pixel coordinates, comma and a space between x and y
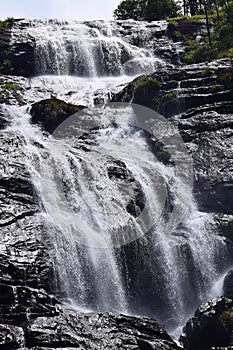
17, 57
17, 303
11, 337
228, 285
124, 179
24, 258
98, 331
69, 329
210, 327
198, 99
13, 90
52, 112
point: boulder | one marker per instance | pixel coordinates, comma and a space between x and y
211, 326
98, 331
11, 337
52, 112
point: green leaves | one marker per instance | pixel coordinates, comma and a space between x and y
148, 10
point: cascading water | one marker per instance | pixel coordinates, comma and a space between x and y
94, 187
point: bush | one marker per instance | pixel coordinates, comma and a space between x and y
8, 23
201, 54
146, 10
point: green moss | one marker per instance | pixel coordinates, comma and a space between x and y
176, 20
147, 81
201, 54
216, 88
208, 71
197, 18
164, 102
5, 92
10, 86
227, 79
52, 112
221, 39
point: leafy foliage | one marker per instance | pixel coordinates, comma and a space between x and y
8, 23
221, 39
148, 10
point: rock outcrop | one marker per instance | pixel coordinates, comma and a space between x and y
69, 329
16, 57
228, 285
52, 112
19, 56
198, 99
211, 327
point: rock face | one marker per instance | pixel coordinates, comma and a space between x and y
17, 58
30, 316
211, 327
97, 331
198, 99
69, 329
228, 285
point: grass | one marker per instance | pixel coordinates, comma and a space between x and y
10, 86
7, 88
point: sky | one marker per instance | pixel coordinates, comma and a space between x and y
62, 9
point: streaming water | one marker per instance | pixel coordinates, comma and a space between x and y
94, 187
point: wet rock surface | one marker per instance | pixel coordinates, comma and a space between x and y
228, 284
198, 100
52, 112
30, 317
97, 331
211, 326
18, 51
17, 56
68, 329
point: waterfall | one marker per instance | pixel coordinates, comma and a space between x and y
91, 49
94, 187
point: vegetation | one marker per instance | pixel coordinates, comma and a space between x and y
9, 87
217, 15
218, 42
52, 112
148, 82
7, 23
148, 10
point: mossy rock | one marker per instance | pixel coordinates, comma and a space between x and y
52, 112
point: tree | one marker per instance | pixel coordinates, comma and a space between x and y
146, 9
159, 9
128, 9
